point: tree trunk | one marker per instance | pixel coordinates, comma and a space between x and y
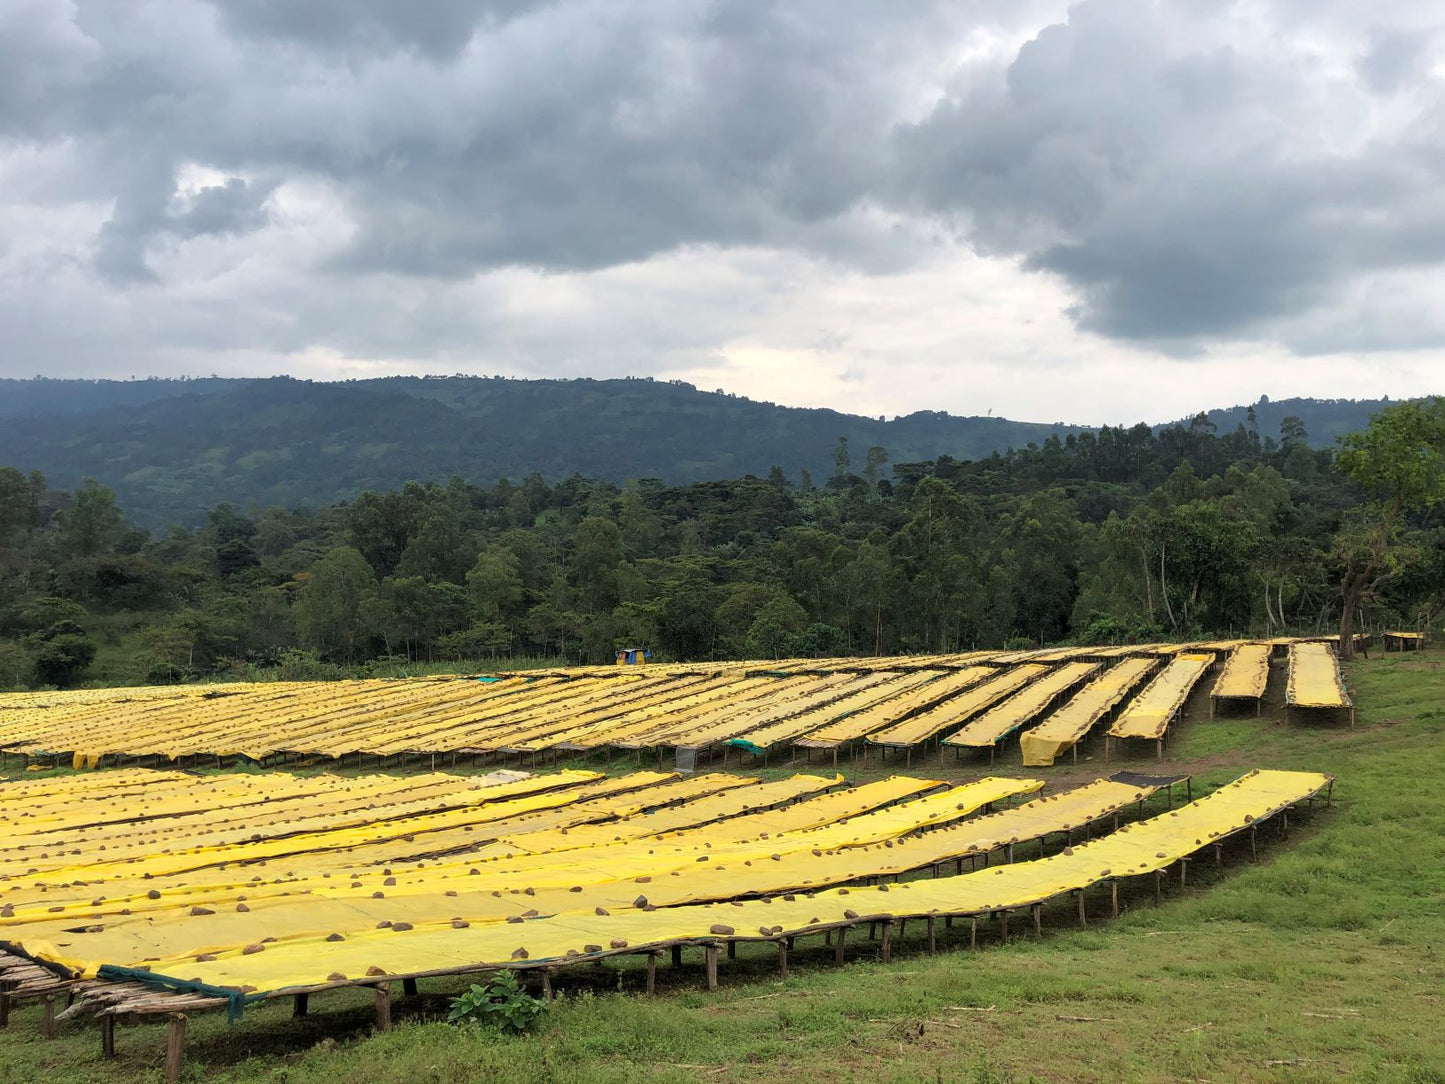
1164, 592
1352, 589
1148, 582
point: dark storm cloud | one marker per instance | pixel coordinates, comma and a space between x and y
1191, 171
1189, 185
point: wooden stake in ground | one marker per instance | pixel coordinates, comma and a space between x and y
383, 1007
175, 1047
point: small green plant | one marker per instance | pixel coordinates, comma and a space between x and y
502, 1002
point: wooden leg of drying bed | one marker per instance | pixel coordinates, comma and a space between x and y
383, 1007
175, 1047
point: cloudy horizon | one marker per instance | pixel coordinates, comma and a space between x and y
1103, 212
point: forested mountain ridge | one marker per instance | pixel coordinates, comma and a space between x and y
1124, 534
171, 449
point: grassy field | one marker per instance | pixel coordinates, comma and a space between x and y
1323, 961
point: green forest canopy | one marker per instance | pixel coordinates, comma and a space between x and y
171, 449
1125, 534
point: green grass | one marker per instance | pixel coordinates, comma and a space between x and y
1324, 961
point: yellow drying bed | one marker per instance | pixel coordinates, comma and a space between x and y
815, 704
1315, 680
117, 872
1151, 712
1404, 641
896, 685
998, 722
973, 700
861, 723
371, 952
1077, 716
1245, 674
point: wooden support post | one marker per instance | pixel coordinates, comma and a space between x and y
732, 950
710, 956
887, 949
973, 931
408, 987
1083, 914
783, 958
547, 985
47, 1017
175, 1047
107, 1036
1003, 926
1219, 856
1183, 872
652, 972
1254, 843
1284, 823
838, 945
1036, 910
1158, 886
383, 1006
932, 937
676, 955
1010, 854
300, 1005
1114, 896
4, 1004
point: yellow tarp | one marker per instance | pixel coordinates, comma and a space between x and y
140, 906
957, 709
814, 719
455, 944
1001, 720
1077, 716
1245, 673
1314, 678
860, 723
1151, 712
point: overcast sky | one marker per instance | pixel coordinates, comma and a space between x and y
1105, 212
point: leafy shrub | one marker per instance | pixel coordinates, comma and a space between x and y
502, 1002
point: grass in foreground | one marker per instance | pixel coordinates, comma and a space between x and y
1322, 962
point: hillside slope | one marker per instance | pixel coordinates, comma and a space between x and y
171, 448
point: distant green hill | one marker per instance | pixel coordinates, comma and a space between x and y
173, 448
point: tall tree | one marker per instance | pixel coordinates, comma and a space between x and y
92, 525
329, 613
1399, 461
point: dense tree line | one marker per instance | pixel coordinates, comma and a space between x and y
1124, 534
